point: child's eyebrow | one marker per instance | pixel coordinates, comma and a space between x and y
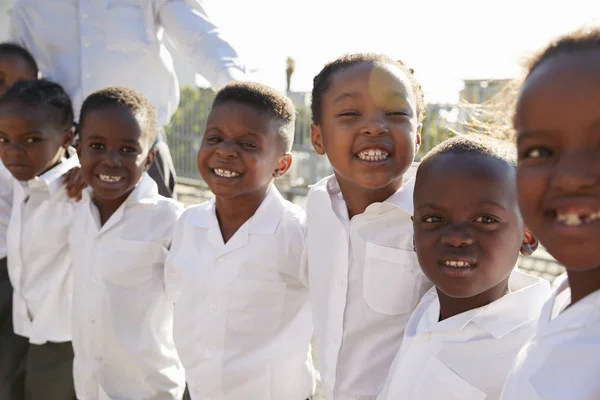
525, 135
346, 95
492, 203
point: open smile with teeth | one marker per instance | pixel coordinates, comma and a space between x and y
456, 264
224, 173
110, 178
373, 155
577, 218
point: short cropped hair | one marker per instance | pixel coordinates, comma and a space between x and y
580, 40
13, 49
121, 96
42, 93
266, 100
322, 81
474, 144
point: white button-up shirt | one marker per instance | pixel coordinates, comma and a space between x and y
86, 45
39, 261
6, 199
242, 315
467, 356
562, 360
122, 318
364, 281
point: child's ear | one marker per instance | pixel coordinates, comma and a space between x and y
530, 243
68, 136
149, 159
317, 139
418, 138
285, 162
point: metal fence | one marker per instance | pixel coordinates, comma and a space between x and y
185, 135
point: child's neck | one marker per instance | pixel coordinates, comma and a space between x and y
358, 198
107, 207
232, 213
583, 283
451, 306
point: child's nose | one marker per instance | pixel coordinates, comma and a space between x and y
375, 126
112, 159
227, 150
576, 170
14, 149
457, 237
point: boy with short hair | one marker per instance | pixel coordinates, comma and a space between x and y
122, 329
463, 337
242, 318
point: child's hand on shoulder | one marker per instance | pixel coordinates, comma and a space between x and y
75, 183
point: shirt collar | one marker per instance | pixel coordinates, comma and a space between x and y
145, 192
585, 311
522, 305
52, 179
264, 221
402, 199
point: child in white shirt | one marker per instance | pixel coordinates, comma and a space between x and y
466, 332
242, 317
36, 130
363, 274
558, 134
122, 317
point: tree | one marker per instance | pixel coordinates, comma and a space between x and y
289, 71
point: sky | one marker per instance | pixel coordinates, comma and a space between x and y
444, 41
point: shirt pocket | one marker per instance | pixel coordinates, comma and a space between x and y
51, 225
128, 26
437, 381
255, 306
391, 279
129, 263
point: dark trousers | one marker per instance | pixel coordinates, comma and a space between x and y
163, 170
49, 372
29, 371
13, 348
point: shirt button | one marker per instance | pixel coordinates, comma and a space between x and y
220, 259
92, 320
86, 44
213, 308
94, 279
84, 16
87, 76
427, 336
207, 354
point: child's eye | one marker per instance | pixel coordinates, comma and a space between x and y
432, 219
247, 145
349, 114
486, 219
128, 150
398, 113
32, 140
3, 140
213, 139
537, 152
97, 146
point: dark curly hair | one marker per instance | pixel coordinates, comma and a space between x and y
265, 100
121, 96
42, 93
322, 81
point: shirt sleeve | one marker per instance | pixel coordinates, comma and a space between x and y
188, 26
